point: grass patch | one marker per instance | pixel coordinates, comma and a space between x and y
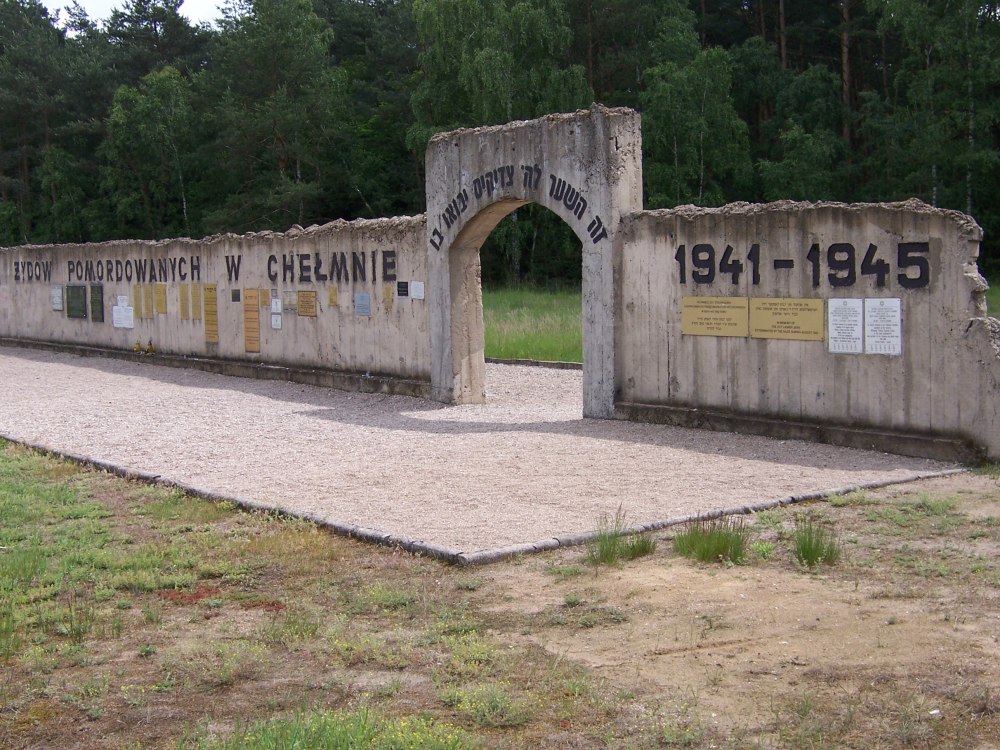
611, 544
723, 540
323, 729
528, 323
993, 298
814, 543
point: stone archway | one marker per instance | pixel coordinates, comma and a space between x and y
586, 167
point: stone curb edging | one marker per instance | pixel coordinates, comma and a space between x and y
463, 559
550, 364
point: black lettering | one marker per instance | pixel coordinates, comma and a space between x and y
173, 269
88, 271
305, 268
358, 267
129, 270
69, 270
338, 266
374, 276
288, 268
233, 267
140, 270
100, 270
389, 265
318, 270
38, 270
272, 273
161, 265
195, 268
181, 273
913, 255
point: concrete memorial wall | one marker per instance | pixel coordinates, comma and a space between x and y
345, 298
861, 325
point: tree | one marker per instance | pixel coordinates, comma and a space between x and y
146, 154
696, 145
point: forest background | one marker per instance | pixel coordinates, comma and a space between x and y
283, 112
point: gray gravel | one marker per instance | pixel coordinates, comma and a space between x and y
523, 468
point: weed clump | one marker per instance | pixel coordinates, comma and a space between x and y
611, 543
723, 540
814, 543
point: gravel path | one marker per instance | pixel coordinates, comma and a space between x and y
523, 468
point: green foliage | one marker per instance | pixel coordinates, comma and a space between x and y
815, 543
302, 111
611, 543
722, 539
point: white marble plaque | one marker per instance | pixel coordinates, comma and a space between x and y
845, 328
416, 290
883, 326
276, 319
56, 295
123, 316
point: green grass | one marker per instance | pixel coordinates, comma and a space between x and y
611, 544
993, 297
530, 323
326, 729
715, 540
815, 543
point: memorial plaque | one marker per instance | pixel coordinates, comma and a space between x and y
333, 296
137, 299
276, 321
265, 298
402, 289
416, 290
211, 314
196, 302
147, 301
76, 301
290, 301
56, 297
184, 290
845, 328
251, 321
786, 318
883, 326
97, 303
160, 298
363, 304
715, 316
388, 292
123, 316
275, 304
307, 304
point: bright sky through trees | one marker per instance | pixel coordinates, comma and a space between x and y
99, 10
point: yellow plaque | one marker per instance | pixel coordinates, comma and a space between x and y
388, 294
714, 316
265, 297
307, 304
786, 318
211, 314
147, 301
196, 302
160, 298
333, 296
184, 292
251, 320
137, 300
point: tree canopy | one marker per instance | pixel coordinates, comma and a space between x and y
143, 125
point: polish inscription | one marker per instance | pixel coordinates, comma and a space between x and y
715, 316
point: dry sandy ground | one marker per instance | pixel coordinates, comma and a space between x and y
525, 467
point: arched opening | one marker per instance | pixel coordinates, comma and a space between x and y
532, 271
468, 346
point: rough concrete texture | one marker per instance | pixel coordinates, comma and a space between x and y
521, 472
586, 167
944, 382
328, 263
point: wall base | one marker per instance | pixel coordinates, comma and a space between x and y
343, 381
937, 447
